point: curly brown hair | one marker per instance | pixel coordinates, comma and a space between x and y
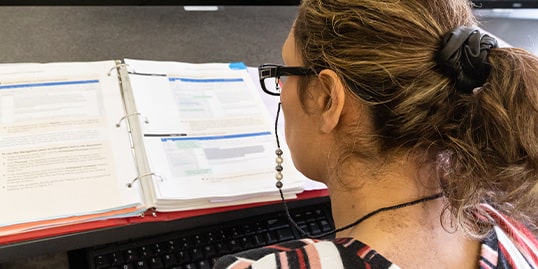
386, 49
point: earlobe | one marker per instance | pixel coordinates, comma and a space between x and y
331, 99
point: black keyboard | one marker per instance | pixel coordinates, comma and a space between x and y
199, 248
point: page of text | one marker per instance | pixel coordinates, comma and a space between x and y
208, 134
206, 99
61, 153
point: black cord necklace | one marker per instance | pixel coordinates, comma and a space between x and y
361, 219
355, 223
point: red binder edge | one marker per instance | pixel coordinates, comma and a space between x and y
159, 216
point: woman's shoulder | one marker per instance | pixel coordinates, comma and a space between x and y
308, 253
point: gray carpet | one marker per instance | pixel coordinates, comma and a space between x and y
251, 34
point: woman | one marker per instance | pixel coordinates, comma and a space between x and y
425, 133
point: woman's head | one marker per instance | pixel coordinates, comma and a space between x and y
385, 53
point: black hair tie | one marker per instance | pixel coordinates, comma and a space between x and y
463, 57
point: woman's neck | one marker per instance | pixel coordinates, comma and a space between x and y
415, 236
356, 195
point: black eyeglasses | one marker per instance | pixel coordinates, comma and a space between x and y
269, 71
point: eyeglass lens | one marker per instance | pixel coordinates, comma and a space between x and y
274, 84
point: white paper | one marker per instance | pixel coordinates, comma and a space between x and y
209, 133
60, 152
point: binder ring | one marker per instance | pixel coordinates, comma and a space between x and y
130, 184
132, 114
115, 67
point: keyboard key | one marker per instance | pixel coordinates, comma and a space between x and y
204, 265
320, 215
233, 233
182, 256
169, 260
284, 235
144, 252
276, 223
196, 254
116, 258
259, 240
211, 238
209, 251
169, 246
247, 230
325, 226
314, 228
189, 266
131, 255
271, 238
221, 235
234, 246
101, 261
259, 227
156, 263
156, 249
142, 264
185, 242
198, 240
246, 242
222, 248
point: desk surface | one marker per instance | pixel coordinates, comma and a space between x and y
252, 34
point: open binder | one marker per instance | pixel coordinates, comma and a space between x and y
86, 141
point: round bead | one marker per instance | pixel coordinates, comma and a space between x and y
279, 184
278, 152
279, 168
279, 160
279, 176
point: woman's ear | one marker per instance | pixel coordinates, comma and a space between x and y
331, 99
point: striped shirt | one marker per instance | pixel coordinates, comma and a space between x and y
509, 246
